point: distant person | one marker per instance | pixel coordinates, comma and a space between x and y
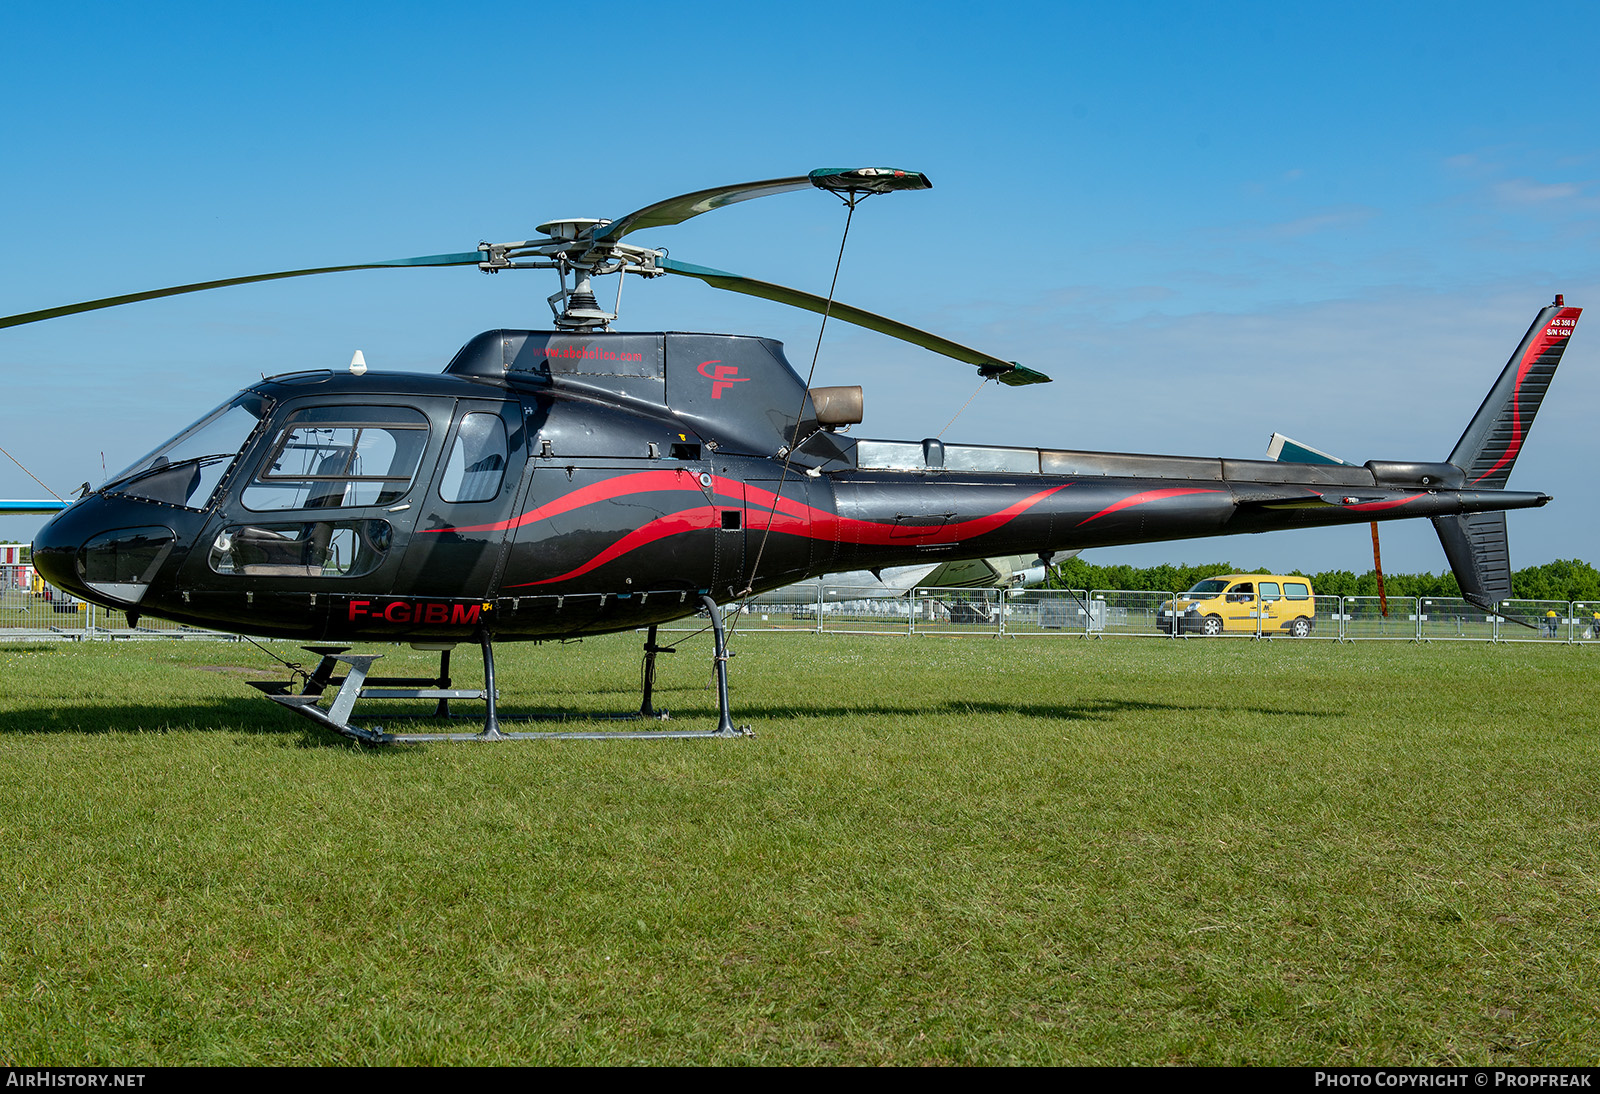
1552, 624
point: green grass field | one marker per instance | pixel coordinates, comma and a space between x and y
934, 851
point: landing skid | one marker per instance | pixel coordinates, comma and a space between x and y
357, 683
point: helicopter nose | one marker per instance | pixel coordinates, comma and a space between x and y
55, 550
73, 552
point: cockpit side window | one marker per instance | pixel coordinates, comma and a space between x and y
340, 457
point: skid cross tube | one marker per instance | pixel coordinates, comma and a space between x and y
357, 683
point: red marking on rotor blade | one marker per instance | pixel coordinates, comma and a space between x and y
1147, 496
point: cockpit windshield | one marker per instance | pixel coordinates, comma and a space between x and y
1211, 586
186, 470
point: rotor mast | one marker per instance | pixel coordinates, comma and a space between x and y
568, 247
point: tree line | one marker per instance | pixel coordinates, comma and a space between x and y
1563, 579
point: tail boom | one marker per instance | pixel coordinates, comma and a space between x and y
997, 514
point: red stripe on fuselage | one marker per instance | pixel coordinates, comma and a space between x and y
787, 515
691, 520
766, 510
640, 482
1144, 498
804, 520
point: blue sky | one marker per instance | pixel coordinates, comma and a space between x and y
1207, 222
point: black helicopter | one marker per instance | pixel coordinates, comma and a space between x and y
553, 484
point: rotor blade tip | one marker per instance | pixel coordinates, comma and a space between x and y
872, 180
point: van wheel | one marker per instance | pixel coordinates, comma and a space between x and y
1300, 628
1211, 626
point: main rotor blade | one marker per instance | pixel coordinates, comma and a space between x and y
679, 209
875, 180
1007, 372
468, 258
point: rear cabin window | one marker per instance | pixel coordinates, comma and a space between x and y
340, 457
477, 461
1296, 590
1269, 590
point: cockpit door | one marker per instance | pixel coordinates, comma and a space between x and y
458, 546
320, 505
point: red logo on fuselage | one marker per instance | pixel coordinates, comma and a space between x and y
721, 376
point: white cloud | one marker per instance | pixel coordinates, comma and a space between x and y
1524, 191
1335, 219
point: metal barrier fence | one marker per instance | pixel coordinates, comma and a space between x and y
1052, 613
1097, 613
958, 611
849, 609
32, 611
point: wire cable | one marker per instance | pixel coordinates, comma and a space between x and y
964, 406
32, 476
296, 669
851, 200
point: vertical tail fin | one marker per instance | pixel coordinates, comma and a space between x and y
1479, 554
1489, 448
1476, 543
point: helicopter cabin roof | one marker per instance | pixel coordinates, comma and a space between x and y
289, 385
709, 372
544, 355
738, 389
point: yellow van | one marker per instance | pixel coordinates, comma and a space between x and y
1243, 604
